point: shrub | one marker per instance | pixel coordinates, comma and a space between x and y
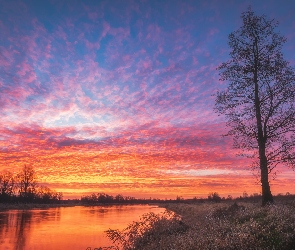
148, 232
214, 197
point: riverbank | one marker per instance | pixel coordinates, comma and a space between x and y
26, 206
215, 226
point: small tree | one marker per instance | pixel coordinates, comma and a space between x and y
27, 181
119, 198
44, 193
229, 197
245, 194
7, 186
214, 197
59, 196
259, 101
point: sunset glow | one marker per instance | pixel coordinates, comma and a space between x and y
116, 96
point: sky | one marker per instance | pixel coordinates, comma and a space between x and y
118, 96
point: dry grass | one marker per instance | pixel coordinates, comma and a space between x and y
211, 226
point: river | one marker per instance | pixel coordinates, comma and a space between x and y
76, 227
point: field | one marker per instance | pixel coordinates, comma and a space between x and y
225, 225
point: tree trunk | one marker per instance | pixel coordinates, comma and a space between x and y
266, 193
261, 136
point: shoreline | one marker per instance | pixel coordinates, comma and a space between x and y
29, 206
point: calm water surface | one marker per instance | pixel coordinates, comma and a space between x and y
65, 227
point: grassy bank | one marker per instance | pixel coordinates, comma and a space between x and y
212, 226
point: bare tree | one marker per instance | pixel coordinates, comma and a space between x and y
59, 196
27, 181
259, 101
7, 185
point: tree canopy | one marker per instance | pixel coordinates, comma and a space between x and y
259, 100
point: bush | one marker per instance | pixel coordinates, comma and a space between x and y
149, 232
214, 197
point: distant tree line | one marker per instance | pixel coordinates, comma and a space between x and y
103, 198
255, 197
23, 187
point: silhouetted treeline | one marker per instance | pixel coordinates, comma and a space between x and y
23, 187
255, 197
103, 198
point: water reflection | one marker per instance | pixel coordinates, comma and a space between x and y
22, 228
66, 227
16, 226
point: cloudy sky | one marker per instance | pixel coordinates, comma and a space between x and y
116, 96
